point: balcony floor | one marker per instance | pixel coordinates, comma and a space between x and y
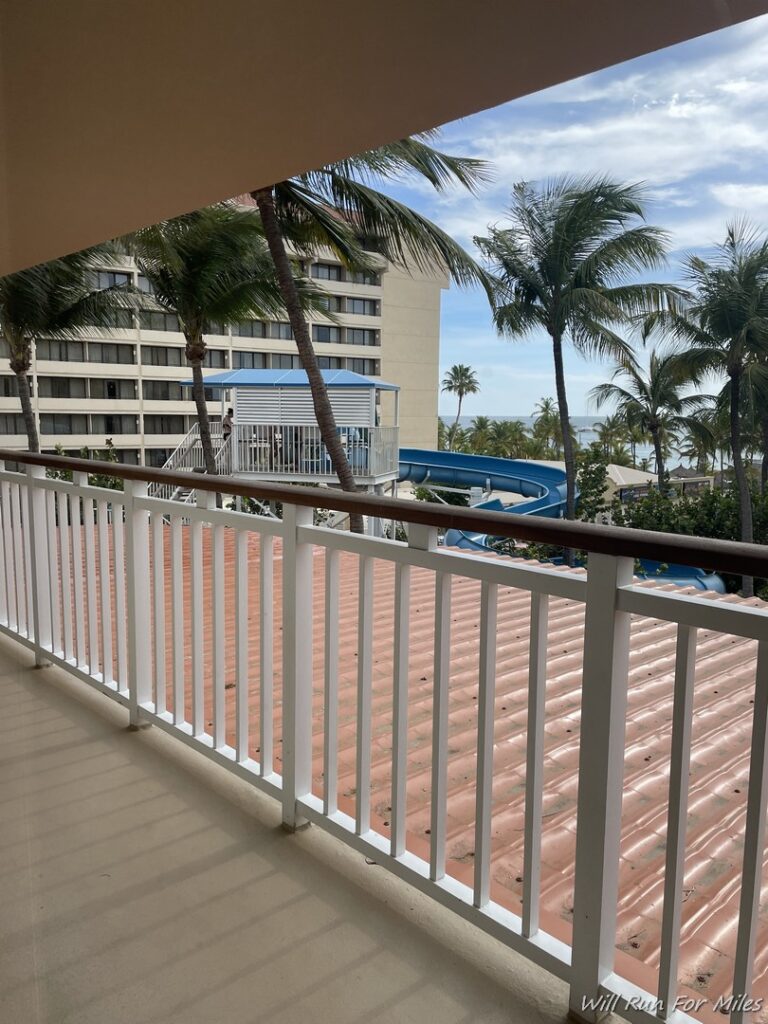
141, 883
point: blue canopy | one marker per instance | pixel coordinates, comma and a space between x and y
290, 379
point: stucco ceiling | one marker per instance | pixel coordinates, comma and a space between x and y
115, 115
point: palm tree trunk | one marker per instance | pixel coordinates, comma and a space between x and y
659, 453
323, 412
198, 393
565, 430
25, 397
455, 424
764, 464
745, 498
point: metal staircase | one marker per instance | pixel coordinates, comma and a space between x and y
188, 457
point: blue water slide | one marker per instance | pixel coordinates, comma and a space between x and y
543, 489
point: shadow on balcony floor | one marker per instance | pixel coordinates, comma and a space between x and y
140, 883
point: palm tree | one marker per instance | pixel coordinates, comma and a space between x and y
651, 400
725, 329
204, 267
478, 434
697, 441
460, 380
337, 208
546, 420
507, 439
611, 433
567, 265
54, 300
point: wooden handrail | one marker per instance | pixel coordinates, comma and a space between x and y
716, 555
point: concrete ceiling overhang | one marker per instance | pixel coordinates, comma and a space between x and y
114, 115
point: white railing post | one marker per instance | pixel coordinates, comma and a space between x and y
138, 602
601, 771
42, 584
297, 664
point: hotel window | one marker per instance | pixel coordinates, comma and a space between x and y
4, 349
110, 352
363, 307
158, 424
63, 423
144, 284
250, 329
61, 387
120, 319
364, 277
12, 423
112, 279
109, 423
364, 366
156, 456
281, 331
214, 327
329, 362
150, 320
322, 332
327, 271
8, 388
215, 358
61, 351
112, 390
165, 391
286, 362
128, 456
249, 360
332, 303
362, 336
162, 355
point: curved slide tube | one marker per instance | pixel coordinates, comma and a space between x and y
543, 488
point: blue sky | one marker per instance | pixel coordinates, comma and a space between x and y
690, 121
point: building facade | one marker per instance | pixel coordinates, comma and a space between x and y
123, 383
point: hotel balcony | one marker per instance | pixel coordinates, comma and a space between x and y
529, 786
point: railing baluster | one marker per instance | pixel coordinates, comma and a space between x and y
62, 514
139, 615
400, 708
54, 569
89, 544
177, 614
486, 693
534, 770
217, 636
33, 524
331, 699
5, 615
158, 603
364, 695
18, 561
10, 574
105, 580
440, 725
242, 687
754, 844
75, 519
266, 653
38, 570
601, 772
121, 626
297, 663
198, 666
680, 757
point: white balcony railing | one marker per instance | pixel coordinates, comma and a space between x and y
117, 589
298, 450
